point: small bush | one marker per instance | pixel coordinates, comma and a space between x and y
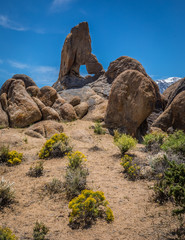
159, 164
132, 170
40, 231
6, 234
36, 170
155, 137
10, 157
172, 186
125, 142
6, 193
175, 142
75, 181
54, 187
98, 129
4, 154
87, 207
56, 146
117, 135
76, 159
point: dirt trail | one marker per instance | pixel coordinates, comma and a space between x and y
135, 216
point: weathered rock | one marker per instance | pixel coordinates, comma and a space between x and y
122, 64
179, 88
49, 113
171, 89
4, 101
3, 118
132, 100
81, 109
93, 66
39, 103
34, 91
97, 113
6, 85
45, 128
174, 114
48, 95
76, 51
75, 101
82, 136
67, 112
22, 110
28, 81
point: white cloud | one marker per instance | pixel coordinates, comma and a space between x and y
18, 65
5, 22
58, 5
42, 75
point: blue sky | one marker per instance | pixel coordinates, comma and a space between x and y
32, 33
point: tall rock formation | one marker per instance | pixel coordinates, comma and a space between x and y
76, 51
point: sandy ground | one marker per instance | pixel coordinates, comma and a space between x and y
136, 216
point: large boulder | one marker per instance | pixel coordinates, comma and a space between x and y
45, 129
81, 109
174, 114
3, 118
48, 95
49, 113
177, 90
22, 110
171, 89
122, 64
67, 112
28, 81
132, 99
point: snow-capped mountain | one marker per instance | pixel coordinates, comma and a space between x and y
165, 83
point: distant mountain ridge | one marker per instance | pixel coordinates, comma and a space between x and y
165, 83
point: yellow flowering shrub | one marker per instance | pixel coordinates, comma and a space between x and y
6, 234
87, 207
124, 142
57, 145
14, 158
76, 174
76, 159
131, 169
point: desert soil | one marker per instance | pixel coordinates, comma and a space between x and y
136, 215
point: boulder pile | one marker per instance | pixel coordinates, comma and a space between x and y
22, 103
124, 97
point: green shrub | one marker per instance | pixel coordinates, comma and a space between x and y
4, 154
10, 157
125, 142
40, 231
56, 146
98, 129
55, 186
154, 137
87, 207
172, 186
6, 193
36, 170
75, 181
76, 174
175, 142
116, 135
6, 234
132, 170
